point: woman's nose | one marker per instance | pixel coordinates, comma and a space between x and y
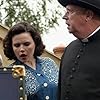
22, 48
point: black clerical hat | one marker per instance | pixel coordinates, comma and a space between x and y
93, 5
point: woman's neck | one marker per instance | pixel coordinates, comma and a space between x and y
31, 63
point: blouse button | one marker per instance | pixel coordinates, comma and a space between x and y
38, 74
45, 84
47, 97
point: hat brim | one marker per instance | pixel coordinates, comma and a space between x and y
93, 5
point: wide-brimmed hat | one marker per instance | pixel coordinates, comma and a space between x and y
93, 5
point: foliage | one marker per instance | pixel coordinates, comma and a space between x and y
43, 14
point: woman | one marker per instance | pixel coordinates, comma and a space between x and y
24, 45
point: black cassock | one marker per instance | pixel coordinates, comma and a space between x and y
79, 77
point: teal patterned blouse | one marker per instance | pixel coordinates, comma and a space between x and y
42, 83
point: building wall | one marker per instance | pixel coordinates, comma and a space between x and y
53, 56
3, 32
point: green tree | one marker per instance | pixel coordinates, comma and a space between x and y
43, 14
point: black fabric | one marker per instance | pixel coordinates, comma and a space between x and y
80, 70
89, 4
32, 97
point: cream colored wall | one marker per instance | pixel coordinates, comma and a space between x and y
3, 32
51, 55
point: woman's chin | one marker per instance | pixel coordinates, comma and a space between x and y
23, 60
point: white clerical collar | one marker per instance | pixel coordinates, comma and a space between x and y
86, 39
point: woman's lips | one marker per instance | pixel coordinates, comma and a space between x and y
23, 56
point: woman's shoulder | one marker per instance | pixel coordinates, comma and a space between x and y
46, 60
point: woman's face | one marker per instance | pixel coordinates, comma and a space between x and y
23, 46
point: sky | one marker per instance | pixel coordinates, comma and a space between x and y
57, 36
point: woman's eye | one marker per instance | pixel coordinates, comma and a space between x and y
27, 43
17, 45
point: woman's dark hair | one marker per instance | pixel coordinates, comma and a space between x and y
18, 29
